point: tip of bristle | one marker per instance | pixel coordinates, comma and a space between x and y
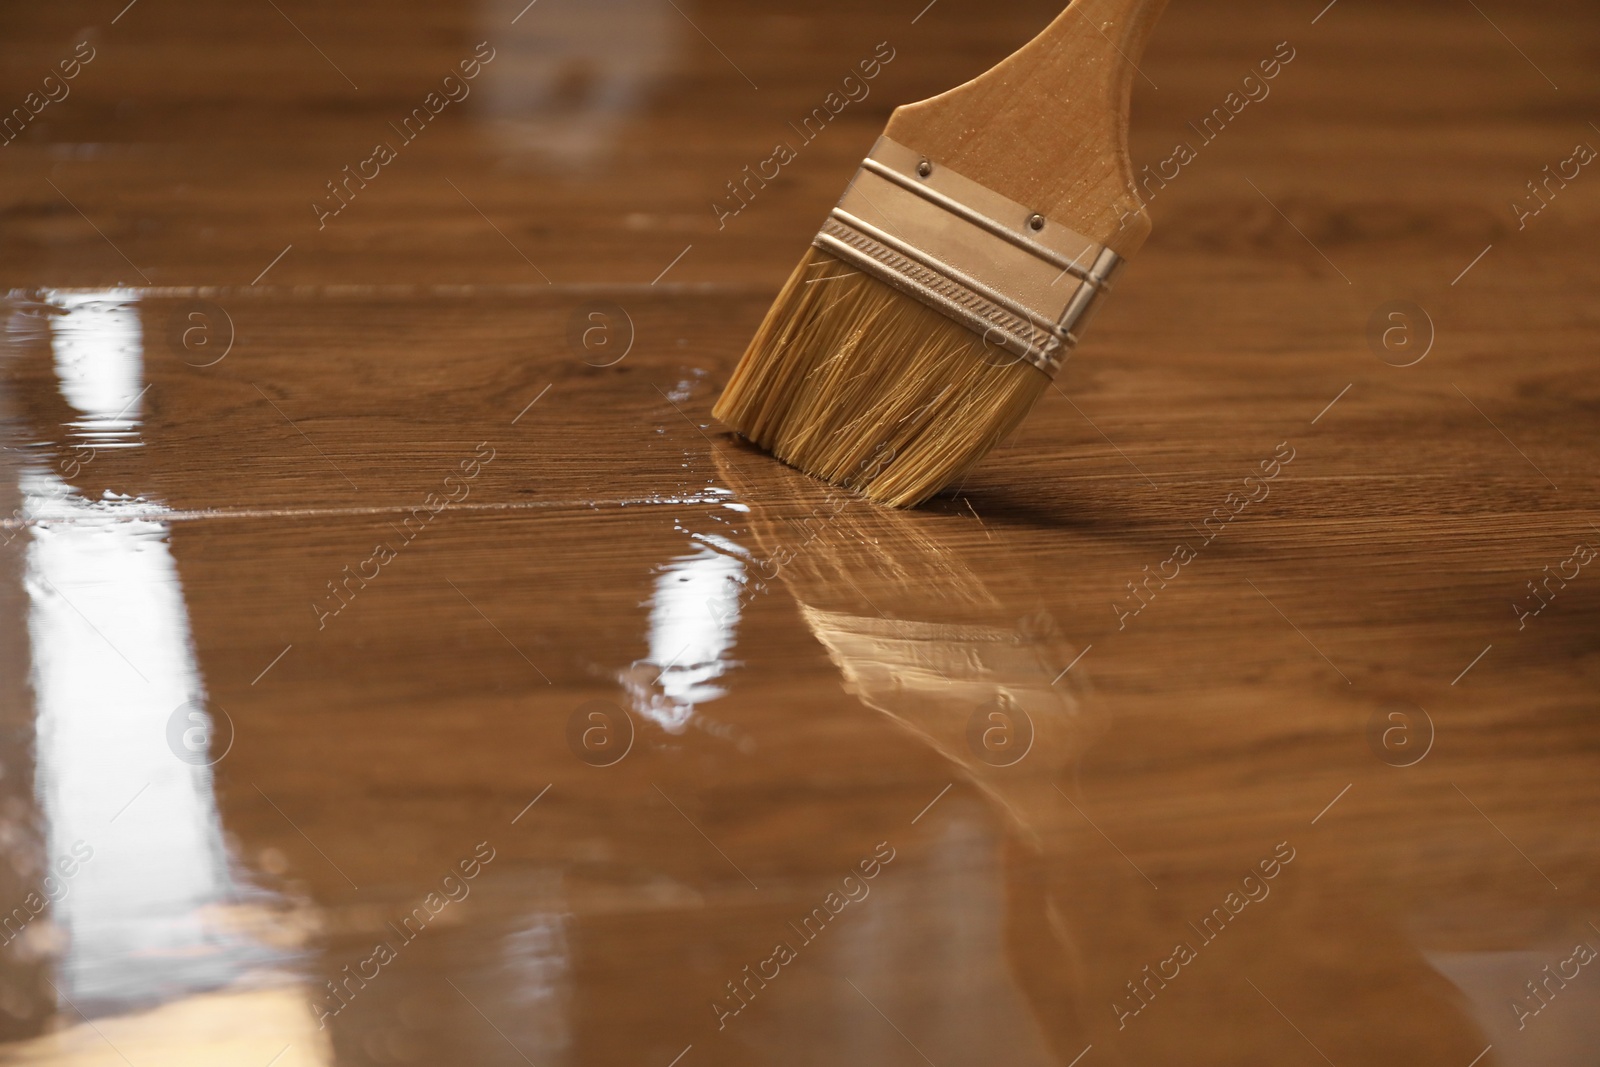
857, 384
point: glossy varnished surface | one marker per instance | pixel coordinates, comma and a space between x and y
419, 565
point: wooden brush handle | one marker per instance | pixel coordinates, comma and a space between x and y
1048, 126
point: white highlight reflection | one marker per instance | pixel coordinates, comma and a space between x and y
538, 970
694, 620
112, 659
98, 348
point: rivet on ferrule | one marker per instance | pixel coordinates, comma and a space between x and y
940, 238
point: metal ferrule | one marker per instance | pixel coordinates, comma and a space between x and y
1027, 285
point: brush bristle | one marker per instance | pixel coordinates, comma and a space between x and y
857, 384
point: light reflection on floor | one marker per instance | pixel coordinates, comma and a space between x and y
149, 918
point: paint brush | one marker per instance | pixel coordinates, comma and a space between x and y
949, 285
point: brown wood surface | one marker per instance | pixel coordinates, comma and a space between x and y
802, 671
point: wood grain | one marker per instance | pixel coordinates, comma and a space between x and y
777, 744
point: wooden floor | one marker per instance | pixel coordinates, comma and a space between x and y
398, 665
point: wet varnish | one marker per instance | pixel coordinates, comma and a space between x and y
399, 665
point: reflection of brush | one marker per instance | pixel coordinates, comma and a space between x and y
949, 284
918, 635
